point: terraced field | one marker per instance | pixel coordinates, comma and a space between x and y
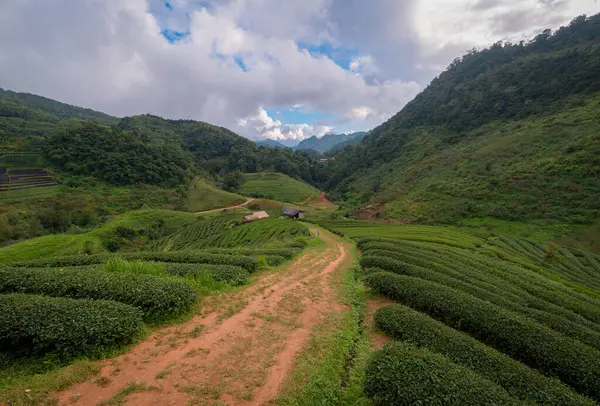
277, 186
227, 231
505, 320
16, 184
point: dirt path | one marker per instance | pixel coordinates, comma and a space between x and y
237, 352
247, 202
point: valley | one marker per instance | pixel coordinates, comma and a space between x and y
450, 255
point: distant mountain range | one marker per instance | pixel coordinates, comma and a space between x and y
321, 145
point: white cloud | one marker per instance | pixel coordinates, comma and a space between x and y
364, 65
261, 125
110, 55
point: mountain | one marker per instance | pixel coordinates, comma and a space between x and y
512, 132
25, 114
359, 136
327, 142
270, 143
37, 132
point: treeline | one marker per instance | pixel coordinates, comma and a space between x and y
116, 156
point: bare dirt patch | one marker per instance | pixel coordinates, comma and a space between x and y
237, 352
377, 339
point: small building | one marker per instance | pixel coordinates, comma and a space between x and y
293, 214
323, 160
256, 216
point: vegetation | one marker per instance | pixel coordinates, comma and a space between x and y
116, 156
396, 376
227, 231
203, 196
67, 327
521, 382
276, 186
159, 300
490, 137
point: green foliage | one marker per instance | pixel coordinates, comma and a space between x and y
203, 196
115, 156
190, 257
227, 232
521, 382
279, 186
492, 136
32, 324
231, 275
158, 299
552, 353
275, 260
401, 374
286, 253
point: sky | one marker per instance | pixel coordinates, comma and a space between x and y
279, 69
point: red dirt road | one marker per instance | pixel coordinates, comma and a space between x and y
238, 353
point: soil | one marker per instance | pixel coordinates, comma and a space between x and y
321, 201
377, 339
237, 352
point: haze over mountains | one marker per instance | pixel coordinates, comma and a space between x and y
319, 144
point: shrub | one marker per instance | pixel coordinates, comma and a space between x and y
229, 274
287, 253
190, 257
552, 353
520, 381
275, 260
401, 374
32, 324
481, 290
157, 298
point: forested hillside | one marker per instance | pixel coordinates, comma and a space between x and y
511, 131
25, 114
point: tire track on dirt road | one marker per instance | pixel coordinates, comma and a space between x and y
225, 356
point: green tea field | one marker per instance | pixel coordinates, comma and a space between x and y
277, 186
507, 320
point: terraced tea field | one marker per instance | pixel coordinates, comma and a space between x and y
276, 186
17, 184
506, 320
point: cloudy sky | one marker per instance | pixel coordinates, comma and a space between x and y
283, 69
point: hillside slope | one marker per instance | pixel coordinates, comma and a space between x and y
510, 132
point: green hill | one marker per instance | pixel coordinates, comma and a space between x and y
25, 114
276, 186
510, 132
204, 196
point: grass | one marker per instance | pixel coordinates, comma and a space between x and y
30, 193
203, 196
51, 246
94, 241
32, 383
330, 368
277, 186
121, 397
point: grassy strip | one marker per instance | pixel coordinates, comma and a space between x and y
32, 382
330, 368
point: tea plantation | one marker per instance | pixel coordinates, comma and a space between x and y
479, 319
105, 301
